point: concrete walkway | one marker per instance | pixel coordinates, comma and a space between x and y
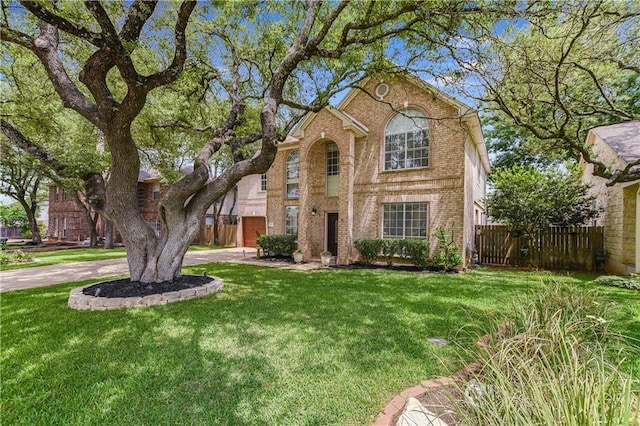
41, 276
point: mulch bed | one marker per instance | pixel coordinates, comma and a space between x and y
127, 288
395, 267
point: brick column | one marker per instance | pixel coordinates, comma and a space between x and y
304, 210
345, 213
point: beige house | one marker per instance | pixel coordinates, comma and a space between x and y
251, 209
396, 160
617, 145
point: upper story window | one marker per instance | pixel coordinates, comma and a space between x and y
56, 193
263, 182
156, 191
406, 141
293, 174
333, 170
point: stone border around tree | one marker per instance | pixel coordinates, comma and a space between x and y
83, 302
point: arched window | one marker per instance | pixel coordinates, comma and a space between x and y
293, 174
406, 141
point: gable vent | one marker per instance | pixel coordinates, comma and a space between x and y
382, 90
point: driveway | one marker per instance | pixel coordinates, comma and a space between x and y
41, 276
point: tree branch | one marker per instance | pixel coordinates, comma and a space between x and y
59, 22
171, 72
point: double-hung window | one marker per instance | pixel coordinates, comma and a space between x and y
406, 141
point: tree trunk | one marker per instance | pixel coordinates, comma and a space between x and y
108, 234
160, 259
31, 210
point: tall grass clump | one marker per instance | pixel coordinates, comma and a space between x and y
554, 363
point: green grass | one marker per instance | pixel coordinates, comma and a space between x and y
84, 254
274, 347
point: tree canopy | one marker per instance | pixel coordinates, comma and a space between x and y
241, 73
528, 198
562, 70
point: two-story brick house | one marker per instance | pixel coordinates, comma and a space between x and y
395, 160
67, 220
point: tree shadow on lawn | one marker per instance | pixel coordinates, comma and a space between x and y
278, 347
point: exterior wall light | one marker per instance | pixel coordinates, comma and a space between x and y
314, 211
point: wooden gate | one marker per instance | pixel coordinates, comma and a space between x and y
573, 247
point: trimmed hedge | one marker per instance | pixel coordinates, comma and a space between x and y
278, 245
417, 251
368, 249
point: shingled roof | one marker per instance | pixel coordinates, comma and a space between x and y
623, 138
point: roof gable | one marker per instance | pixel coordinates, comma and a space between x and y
623, 138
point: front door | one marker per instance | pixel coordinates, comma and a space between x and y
332, 233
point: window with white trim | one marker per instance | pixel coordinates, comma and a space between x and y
291, 220
64, 227
156, 191
263, 182
56, 229
406, 141
404, 220
333, 170
293, 174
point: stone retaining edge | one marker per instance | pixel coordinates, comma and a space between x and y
83, 302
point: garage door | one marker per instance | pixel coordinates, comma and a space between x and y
251, 227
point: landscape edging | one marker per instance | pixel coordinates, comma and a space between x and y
82, 302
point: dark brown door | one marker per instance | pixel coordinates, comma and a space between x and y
252, 227
332, 233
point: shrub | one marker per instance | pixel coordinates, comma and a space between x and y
631, 282
447, 256
369, 248
550, 366
18, 256
278, 245
416, 250
390, 247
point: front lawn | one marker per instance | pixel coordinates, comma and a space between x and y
274, 347
84, 254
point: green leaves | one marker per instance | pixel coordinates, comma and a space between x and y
528, 198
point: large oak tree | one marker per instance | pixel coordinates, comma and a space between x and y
105, 60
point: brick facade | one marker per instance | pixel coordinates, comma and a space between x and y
452, 185
67, 220
620, 215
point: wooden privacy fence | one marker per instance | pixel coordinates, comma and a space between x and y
226, 235
574, 247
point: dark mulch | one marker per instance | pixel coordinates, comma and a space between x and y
127, 288
396, 267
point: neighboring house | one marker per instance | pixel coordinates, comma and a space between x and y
67, 220
396, 160
251, 209
617, 145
